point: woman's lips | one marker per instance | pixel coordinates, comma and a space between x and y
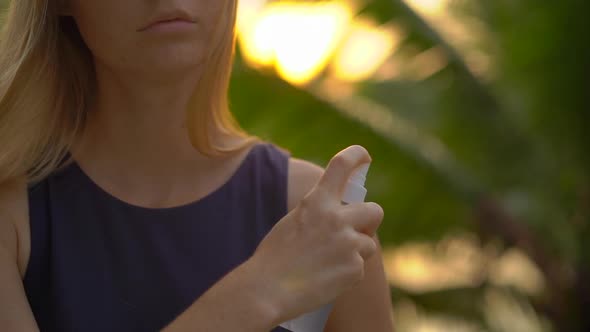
169, 20
172, 25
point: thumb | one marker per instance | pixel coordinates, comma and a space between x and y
341, 167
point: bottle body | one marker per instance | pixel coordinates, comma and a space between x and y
314, 321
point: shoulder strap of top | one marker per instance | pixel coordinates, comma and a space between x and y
273, 171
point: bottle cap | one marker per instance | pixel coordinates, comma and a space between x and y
355, 191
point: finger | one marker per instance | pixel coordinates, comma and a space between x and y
340, 168
363, 217
367, 246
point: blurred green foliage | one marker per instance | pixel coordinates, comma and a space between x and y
517, 143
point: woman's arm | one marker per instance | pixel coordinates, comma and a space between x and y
367, 306
15, 313
238, 302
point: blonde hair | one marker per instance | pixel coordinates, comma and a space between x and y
47, 82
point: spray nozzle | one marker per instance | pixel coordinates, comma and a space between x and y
355, 191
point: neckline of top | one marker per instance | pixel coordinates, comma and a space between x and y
192, 203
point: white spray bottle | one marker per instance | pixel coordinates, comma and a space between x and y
315, 321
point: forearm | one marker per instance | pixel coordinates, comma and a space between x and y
237, 302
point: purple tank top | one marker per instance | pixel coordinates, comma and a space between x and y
100, 264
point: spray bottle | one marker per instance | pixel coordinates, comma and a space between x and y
315, 321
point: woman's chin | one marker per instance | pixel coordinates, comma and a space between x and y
174, 65
171, 65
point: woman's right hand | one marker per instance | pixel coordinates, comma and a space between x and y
317, 251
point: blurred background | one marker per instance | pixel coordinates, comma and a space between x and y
475, 113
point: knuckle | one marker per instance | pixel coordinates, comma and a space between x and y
368, 247
372, 248
358, 267
332, 219
350, 239
306, 202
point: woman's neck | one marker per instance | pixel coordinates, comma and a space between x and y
139, 121
136, 137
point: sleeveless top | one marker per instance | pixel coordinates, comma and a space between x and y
100, 264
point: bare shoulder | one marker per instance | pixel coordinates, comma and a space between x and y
14, 221
303, 175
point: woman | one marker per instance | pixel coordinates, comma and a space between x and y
131, 201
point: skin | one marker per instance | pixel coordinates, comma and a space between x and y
145, 80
